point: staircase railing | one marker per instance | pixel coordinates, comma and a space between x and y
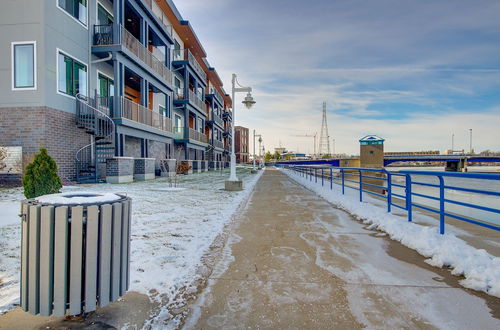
91, 115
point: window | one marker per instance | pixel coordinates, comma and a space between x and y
177, 51
75, 8
106, 86
24, 65
71, 76
178, 121
103, 16
200, 125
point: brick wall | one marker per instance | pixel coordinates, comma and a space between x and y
157, 150
42, 127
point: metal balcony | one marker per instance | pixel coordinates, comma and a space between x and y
141, 114
186, 55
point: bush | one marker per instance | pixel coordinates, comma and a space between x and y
41, 177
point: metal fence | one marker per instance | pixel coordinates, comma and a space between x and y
398, 190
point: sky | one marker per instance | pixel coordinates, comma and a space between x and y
414, 72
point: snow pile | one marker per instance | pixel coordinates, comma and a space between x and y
480, 269
80, 197
172, 229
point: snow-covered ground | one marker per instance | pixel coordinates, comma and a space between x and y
172, 229
480, 269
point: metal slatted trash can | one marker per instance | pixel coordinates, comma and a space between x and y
75, 252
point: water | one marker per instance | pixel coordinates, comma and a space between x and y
455, 195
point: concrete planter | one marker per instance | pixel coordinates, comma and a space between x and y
75, 252
120, 170
144, 169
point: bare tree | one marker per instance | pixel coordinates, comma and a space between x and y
3, 156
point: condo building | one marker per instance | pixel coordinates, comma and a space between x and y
97, 81
241, 140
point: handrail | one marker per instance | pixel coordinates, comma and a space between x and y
383, 186
140, 114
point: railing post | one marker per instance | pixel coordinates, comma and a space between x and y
331, 179
441, 205
310, 174
315, 176
343, 181
389, 191
322, 177
360, 186
408, 198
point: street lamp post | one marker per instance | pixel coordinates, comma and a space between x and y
233, 184
470, 144
254, 155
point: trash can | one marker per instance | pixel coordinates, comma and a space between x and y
75, 252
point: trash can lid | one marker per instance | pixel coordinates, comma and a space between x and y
72, 198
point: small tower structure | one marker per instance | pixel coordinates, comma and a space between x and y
372, 151
324, 140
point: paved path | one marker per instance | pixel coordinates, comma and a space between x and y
293, 261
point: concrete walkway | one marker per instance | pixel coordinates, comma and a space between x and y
294, 261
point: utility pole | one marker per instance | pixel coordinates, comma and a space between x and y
452, 143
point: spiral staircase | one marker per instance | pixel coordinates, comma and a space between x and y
92, 115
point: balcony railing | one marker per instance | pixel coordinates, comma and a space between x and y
139, 50
198, 136
160, 15
103, 35
218, 120
186, 55
141, 114
192, 97
218, 144
217, 95
180, 134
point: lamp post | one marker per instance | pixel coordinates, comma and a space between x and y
470, 142
233, 184
254, 155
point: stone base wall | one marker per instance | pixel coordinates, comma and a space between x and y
11, 180
120, 170
158, 151
144, 169
132, 147
42, 127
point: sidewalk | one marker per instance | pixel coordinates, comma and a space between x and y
296, 262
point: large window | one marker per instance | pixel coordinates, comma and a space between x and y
106, 86
24, 65
76, 8
71, 76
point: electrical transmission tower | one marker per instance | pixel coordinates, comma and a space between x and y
324, 139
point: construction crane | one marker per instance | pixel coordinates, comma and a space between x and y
310, 135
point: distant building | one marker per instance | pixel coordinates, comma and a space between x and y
241, 139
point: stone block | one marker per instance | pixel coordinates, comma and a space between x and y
144, 169
233, 185
120, 170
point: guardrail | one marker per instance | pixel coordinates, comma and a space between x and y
141, 114
401, 194
186, 55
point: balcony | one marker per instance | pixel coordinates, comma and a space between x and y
103, 36
215, 118
227, 115
185, 55
141, 114
191, 97
218, 144
183, 133
160, 15
213, 91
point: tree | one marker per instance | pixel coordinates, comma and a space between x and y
268, 157
277, 155
41, 176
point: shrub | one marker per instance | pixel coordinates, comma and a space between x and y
41, 177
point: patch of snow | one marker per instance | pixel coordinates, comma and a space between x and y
480, 269
80, 197
171, 232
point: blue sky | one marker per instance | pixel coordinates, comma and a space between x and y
411, 71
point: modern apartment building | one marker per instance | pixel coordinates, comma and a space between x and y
241, 144
92, 80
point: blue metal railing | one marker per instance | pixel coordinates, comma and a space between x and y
401, 193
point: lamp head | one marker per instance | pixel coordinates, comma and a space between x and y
248, 101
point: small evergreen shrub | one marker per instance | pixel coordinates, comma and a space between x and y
40, 177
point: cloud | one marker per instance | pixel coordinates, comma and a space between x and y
411, 71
